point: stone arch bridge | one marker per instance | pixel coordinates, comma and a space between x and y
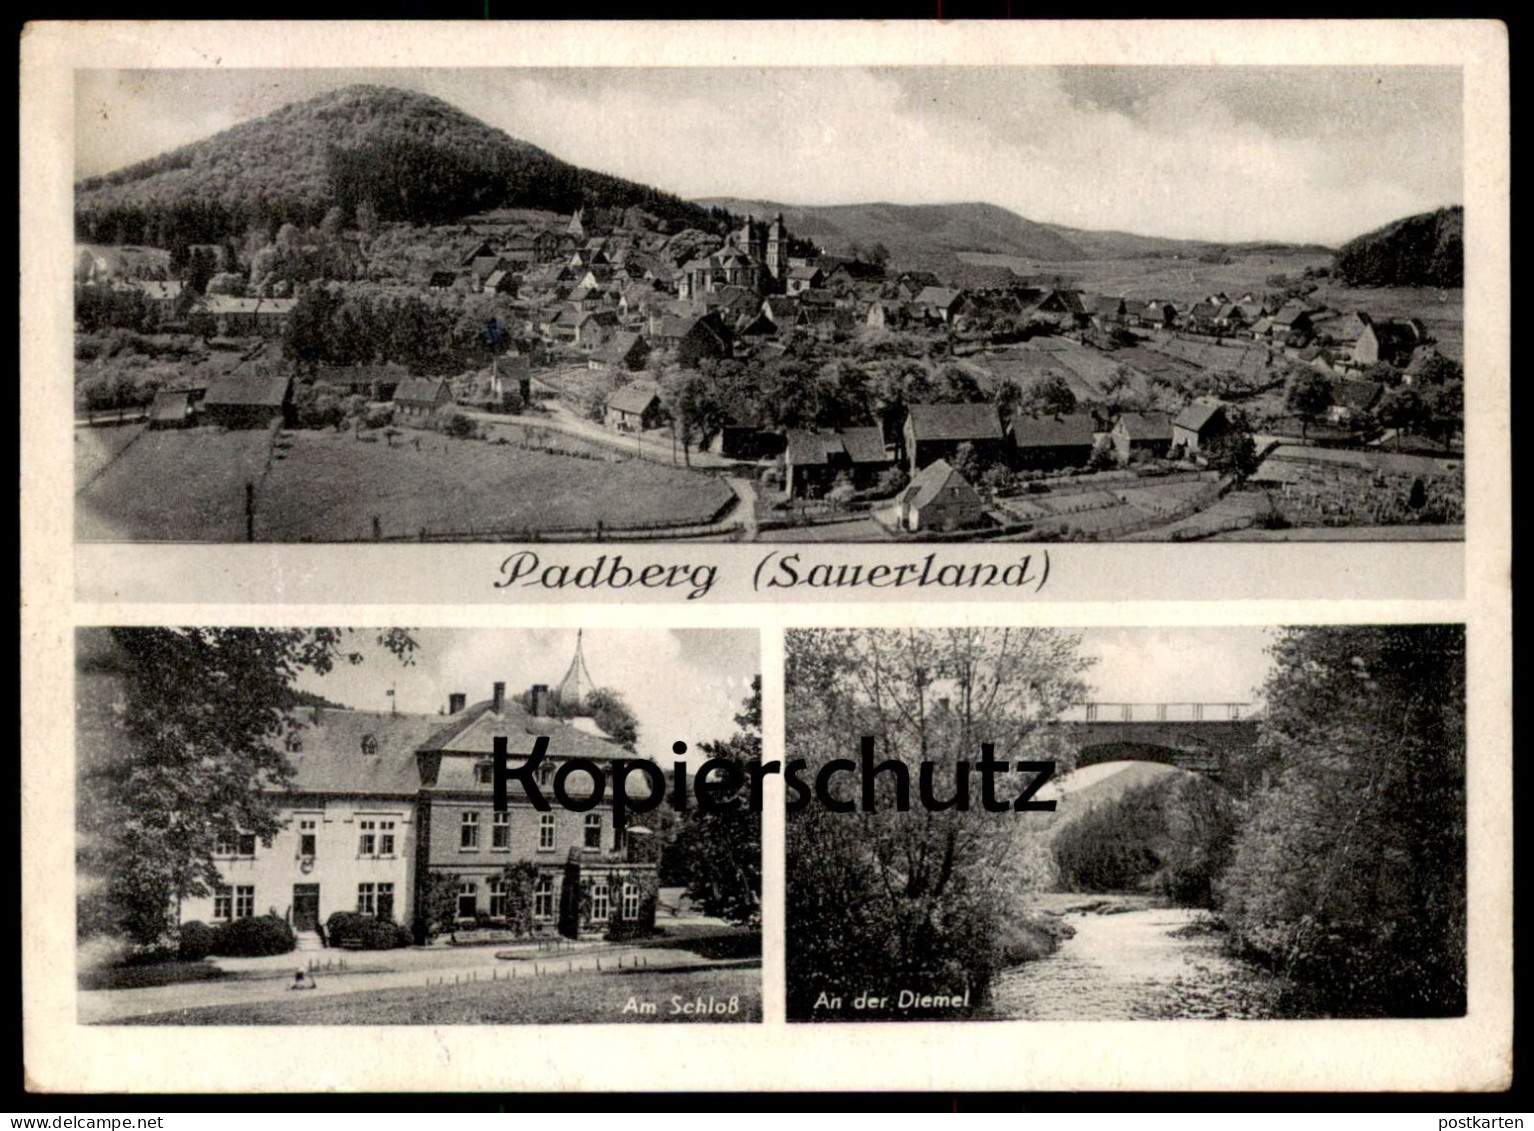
1203, 737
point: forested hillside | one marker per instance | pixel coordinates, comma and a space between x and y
1419, 251
404, 155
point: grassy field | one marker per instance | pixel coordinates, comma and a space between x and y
588, 998
326, 486
96, 448
175, 486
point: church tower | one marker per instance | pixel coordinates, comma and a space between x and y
777, 251
577, 684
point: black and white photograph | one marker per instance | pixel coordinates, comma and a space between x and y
841, 304
301, 827
1118, 824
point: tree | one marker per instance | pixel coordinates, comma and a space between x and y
1403, 409
1233, 451
1307, 395
1050, 395
1349, 870
887, 900
191, 758
718, 855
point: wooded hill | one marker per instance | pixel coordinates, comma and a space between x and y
1426, 250
407, 156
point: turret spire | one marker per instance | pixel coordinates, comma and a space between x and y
577, 684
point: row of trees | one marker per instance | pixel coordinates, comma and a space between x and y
334, 326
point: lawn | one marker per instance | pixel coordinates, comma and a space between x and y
189, 485
328, 486
185, 485
97, 447
588, 998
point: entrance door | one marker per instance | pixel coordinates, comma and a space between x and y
306, 907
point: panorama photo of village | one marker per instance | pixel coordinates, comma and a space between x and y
1175, 304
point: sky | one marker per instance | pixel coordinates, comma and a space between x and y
1303, 154
682, 684
1177, 665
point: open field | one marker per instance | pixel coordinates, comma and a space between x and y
174, 486
552, 1000
97, 447
326, 486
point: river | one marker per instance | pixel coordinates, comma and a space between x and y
1125, 964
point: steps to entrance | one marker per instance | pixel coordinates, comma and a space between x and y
309, 940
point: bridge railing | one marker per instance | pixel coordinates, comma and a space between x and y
1160, 712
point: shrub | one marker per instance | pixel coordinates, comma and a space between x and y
341, 926
365, 932
255, 937
198, 940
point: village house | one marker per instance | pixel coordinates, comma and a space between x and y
634, 408
1105, 311
940, 304
594, 328
700, 340
813, 460
1050, 443
1352, 399
1389, 342
501, 282
804, 278
1198, 424
1293, 320
1140, 434
1061, 309
935, 431
1157, 314
229, 316
418, 400
508, 380
249, 402
626, 351
939, 499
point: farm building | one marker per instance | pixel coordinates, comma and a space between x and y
1390, 342
1147, 433
172, 408
940, 499
1051, 442
376, 382
935, 431
418, 399
804, 278
635, 408
813, 459
1156, 314
1198, 424
248, 402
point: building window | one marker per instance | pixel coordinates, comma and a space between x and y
601, 906
543, 898
484, 773
386, 901
593, 830
223, 903
498, 898
545, 773
226, 846
244, 902
386, 838
546, 832
306, 837
366, 899
367, 842
468, 900
468, 831
500, 830
630, 901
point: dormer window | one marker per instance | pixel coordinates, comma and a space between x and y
484, 773
369, 744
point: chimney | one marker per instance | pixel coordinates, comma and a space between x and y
455, 702
540, 699
498, 699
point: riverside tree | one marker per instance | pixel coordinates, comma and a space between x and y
1349, 871
883, 900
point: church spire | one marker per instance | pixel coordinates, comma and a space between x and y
577, 684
